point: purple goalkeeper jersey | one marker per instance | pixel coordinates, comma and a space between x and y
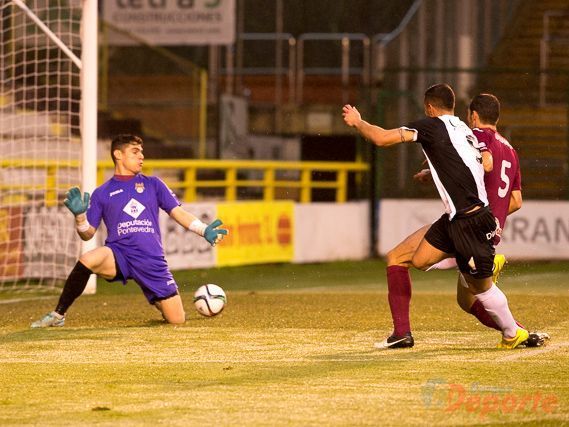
130, 212
505, 176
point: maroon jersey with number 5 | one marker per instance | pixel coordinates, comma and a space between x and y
505, 175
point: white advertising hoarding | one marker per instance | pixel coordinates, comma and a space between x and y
182, 248
331, 232
538, 231
51, 244
400, 217
171, 22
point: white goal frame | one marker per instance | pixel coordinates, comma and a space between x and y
89, 87
88, 65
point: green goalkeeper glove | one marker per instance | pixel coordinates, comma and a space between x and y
213, 234
74, 202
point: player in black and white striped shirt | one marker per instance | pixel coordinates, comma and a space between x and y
467, 228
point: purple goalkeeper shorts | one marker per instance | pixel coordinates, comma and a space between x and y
151, 273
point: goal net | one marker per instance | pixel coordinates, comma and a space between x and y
40, 145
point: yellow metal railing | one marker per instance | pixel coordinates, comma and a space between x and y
231, 180
189, 181
49, 185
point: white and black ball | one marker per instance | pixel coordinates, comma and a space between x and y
210, 300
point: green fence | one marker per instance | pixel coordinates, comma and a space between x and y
538, 130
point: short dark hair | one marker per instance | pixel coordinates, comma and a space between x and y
440, 96
487, 106
120, 141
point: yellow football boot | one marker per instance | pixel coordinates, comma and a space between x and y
510, 343
499, 262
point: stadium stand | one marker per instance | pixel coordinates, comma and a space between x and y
536, 125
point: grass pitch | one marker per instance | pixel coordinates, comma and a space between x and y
294, 346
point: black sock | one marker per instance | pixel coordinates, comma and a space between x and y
74, 286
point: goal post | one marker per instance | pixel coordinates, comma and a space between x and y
48, 135
89, 87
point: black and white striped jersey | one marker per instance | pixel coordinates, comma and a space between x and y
454, 160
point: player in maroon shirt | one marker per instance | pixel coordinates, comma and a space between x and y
502, 182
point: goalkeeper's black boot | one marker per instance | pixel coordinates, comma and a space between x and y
394, 341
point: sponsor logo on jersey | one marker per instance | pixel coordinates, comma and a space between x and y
114, 193
134, 208
135, 226
139, 187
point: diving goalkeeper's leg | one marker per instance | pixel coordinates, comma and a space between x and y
99, 261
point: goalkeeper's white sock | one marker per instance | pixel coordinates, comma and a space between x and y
496, 304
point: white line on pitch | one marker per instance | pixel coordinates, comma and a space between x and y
522, 354
16, 300
205, 361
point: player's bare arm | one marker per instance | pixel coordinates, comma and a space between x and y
85, 230
182, 216
377, 135
423, 176
515, 201
487, 161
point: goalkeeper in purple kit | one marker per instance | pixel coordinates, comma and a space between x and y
129, 205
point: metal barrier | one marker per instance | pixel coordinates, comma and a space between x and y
295, 68
33, 184
364, 57
269, 182
173, 107
345, 70
380, 41
190, 183
284, 64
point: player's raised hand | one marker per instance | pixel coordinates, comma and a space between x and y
75, 203
351, 115
213, 234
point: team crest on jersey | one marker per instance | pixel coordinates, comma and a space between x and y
134, 208
139, 187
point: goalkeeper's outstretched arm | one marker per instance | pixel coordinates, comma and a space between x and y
210, 232
182, 216
85, 230
78, 206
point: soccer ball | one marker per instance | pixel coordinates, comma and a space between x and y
209, 300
